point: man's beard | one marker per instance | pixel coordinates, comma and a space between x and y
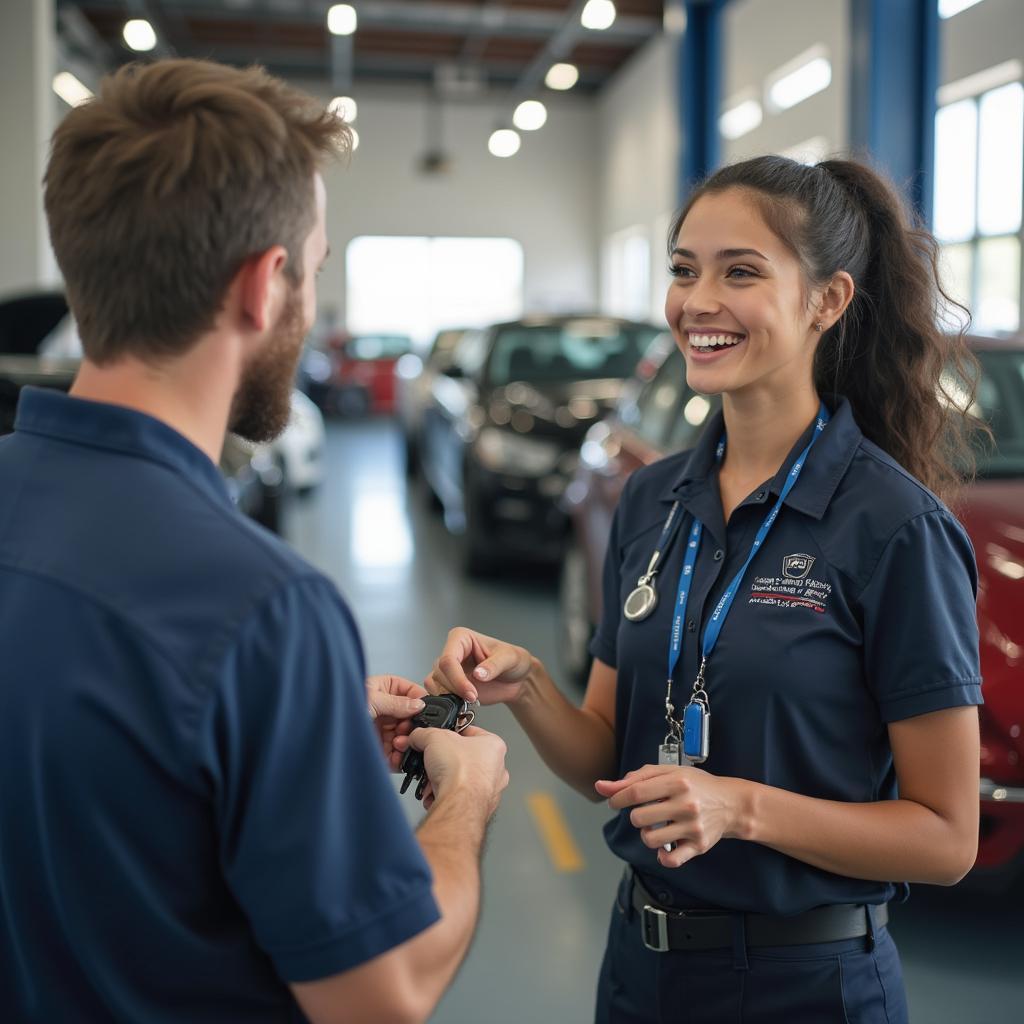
262, 403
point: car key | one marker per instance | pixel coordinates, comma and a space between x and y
443, 711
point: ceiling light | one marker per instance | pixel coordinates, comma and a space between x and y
504, 142
530, 115
598, 15
562, 76
139, 35
70, 89
947, 8
342, 20
793, 87
739, 119
344, 107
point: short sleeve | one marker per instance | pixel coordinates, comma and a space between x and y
313, 841
920, 624
604, 644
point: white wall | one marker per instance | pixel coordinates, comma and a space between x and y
544, 197
638, 159
763, 35
979, 38
26, 120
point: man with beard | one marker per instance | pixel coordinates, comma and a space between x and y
196, 819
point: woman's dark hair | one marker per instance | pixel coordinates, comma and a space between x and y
889, 353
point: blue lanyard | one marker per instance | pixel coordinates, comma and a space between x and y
718, 617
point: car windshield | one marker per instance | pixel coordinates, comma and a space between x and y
378, 346
1000, 402
584, 349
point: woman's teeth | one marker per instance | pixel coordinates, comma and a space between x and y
714, 340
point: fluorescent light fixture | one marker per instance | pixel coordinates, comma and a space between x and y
800, 79
530, 115
562, 76
982, 81
344, 107
70, 89
740, 118
947, 8
355, 140
342, 20
139, 35
504, 142
598, 15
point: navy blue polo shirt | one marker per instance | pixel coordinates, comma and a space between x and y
194, 807
858, 611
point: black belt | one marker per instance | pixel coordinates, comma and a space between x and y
663, 928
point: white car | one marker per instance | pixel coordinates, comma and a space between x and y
299, 450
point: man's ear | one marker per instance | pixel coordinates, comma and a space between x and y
835, 297
261, 292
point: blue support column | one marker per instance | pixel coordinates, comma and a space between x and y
893, 77
699, 90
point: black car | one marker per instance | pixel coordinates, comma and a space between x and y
501, 432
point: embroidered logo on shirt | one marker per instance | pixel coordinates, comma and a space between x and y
796, 567
793, 589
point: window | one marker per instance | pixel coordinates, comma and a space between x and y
626, 272
418, 286
979, 183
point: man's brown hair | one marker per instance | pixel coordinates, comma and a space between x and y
158, 190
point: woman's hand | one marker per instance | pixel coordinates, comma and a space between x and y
393, 701
480, 667
690, 808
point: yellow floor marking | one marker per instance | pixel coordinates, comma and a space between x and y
554, 832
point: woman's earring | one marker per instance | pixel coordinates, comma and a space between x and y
819, 327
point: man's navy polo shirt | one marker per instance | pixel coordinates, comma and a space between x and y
858, 611
194, 807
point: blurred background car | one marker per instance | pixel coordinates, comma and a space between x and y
362, 373
40, 347
415, 379
501, 431
661, 414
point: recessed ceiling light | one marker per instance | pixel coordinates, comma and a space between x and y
139, 35
598, 15
530, 115
504, 142
342, 20
562, 76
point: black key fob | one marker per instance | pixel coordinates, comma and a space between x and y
442, 711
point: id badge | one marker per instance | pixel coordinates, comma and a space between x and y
696, 732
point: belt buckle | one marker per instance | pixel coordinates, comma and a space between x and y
654, 925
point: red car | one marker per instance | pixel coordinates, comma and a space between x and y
362, 378
659, 414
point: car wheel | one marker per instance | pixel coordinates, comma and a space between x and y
353, 403
575, 628
411, 457
479, 556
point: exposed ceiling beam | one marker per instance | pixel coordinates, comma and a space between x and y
412, 16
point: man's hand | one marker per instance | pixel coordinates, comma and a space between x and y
393, 701
479, 667
471, 760
692, 808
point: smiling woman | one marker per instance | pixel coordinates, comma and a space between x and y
789, 569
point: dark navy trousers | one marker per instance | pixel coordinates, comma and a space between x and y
855, 981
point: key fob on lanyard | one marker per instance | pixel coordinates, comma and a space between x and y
696, 732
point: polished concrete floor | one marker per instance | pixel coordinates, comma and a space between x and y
541, 935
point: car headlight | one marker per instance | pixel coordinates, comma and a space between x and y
505, 452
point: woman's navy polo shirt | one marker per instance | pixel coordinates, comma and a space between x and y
194, 807
859, 610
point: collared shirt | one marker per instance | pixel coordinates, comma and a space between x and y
858, 611
194, 809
